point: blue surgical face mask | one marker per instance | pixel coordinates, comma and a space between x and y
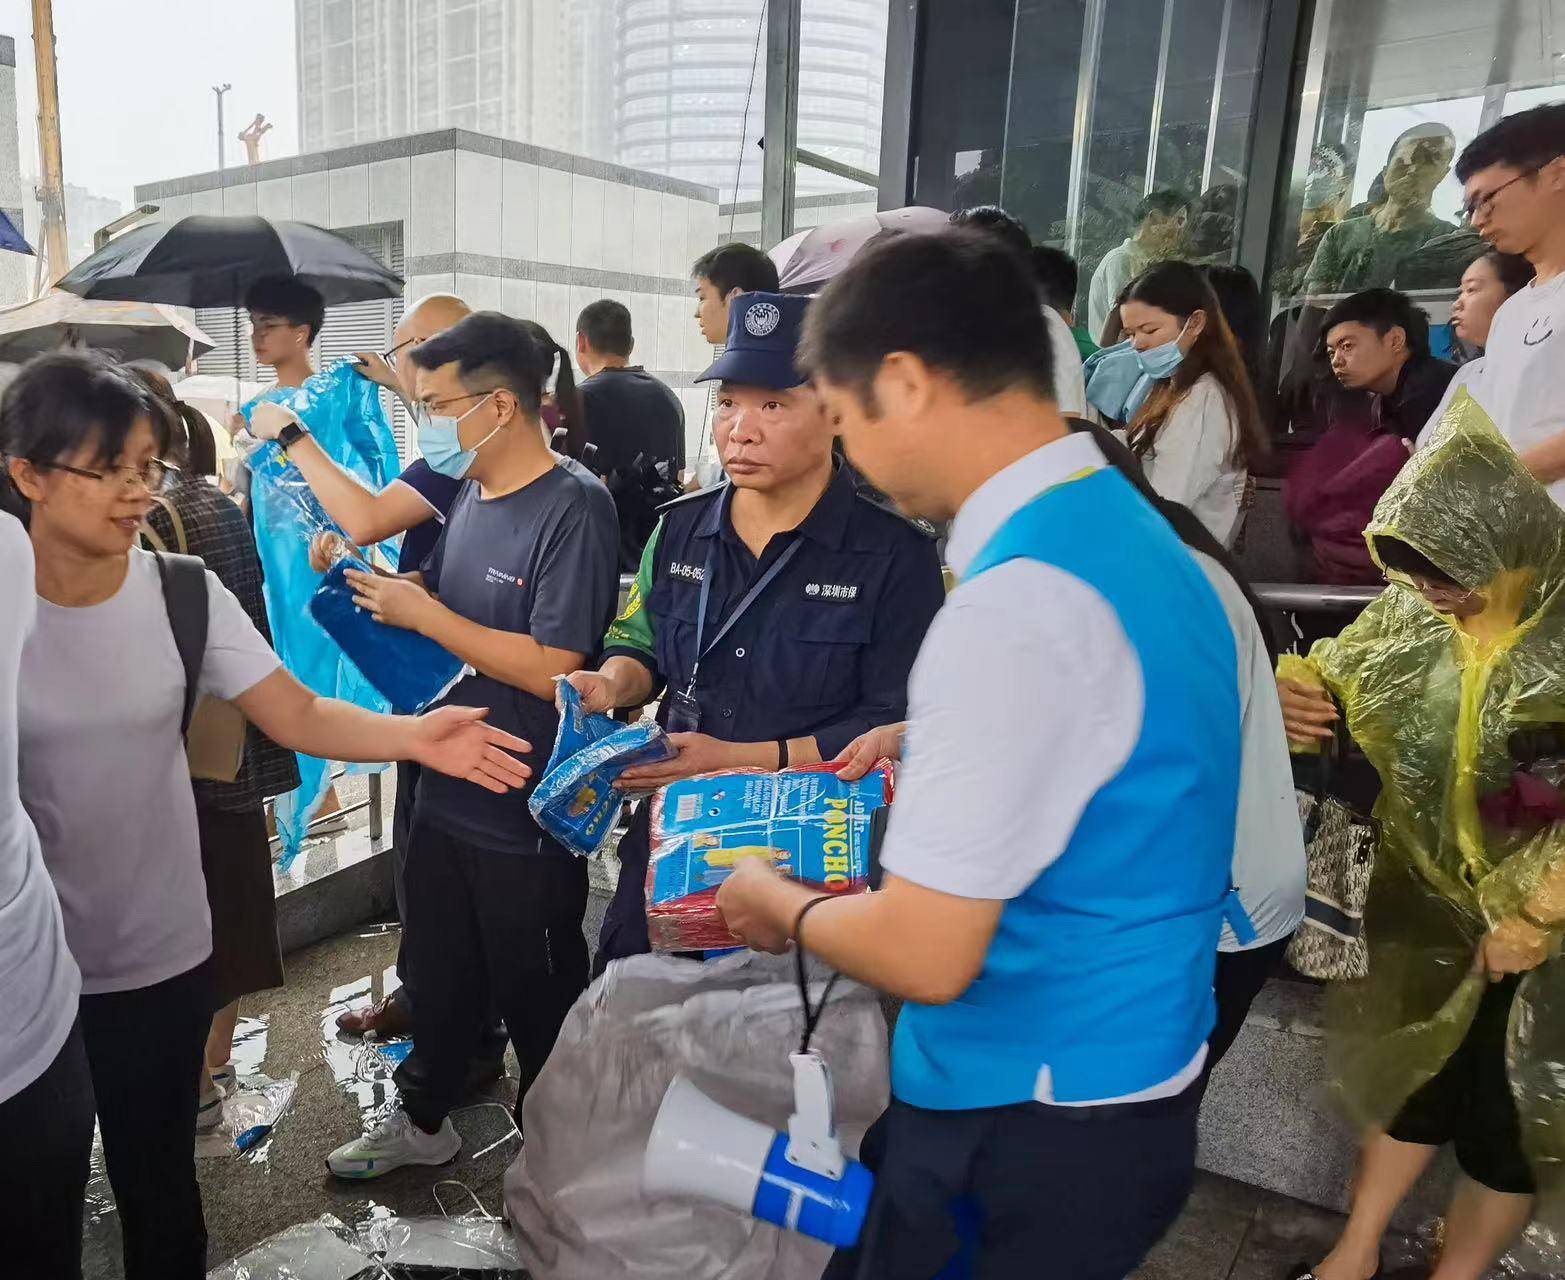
441, 443
1119, 385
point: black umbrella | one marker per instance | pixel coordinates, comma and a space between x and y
212, 262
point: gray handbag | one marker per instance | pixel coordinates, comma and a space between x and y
1339, 849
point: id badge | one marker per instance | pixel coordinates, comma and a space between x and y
684, 713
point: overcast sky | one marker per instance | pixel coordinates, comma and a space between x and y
136, 77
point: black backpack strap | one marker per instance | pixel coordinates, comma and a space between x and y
185, 599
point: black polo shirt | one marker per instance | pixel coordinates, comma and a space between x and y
630, 415
823, 651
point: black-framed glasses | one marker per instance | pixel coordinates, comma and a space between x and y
1484, 204
152, 475
390, 354
437, 406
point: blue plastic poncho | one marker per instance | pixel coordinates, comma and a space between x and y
343, 412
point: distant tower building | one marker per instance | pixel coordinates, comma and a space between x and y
15, 268
372, 69
683, 71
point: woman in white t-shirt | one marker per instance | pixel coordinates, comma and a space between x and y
1486, 284
1197, 433
106, 783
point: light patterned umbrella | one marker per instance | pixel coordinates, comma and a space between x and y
805, 262
129, 330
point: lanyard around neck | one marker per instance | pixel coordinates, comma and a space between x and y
750, 597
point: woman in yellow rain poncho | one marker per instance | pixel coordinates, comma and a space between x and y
1458, 1033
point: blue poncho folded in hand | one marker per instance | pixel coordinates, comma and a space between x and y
408, 669
576, 800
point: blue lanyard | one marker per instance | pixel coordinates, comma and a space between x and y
750, 598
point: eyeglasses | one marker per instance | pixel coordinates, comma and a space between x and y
390, 354
268, 326
435, 406
152, 475
1484, 204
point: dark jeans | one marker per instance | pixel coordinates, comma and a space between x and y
624, 931
489, 929
1240, 977
145, 1048
45, 1149
1027, 1192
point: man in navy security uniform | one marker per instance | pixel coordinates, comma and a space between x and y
815, 598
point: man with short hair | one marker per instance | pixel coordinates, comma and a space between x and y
1378, 342
519, 587
722, 274
1070, 382
1514, 178
286, 315
779, 611
1058, 279
1057, 862
636, 423
1160, 219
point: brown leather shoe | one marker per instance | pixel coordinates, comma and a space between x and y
388, 1017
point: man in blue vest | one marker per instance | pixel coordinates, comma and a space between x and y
1057, 861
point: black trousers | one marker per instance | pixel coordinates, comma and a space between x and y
491, 1039
1027, 1192
624, 931
1240, 977
145, 1049
45, 1149
488, 929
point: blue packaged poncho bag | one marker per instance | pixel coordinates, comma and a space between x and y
576, 801
343, 412
811, 825
410, 670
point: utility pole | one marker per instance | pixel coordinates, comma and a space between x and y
51, 188
220, 90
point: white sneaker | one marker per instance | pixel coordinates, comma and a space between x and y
394, 1142
223, 1077
209, 1111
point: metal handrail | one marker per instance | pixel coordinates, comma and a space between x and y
1310, 596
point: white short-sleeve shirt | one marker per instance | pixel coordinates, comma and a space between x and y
1191, 461
105, 778
39, 982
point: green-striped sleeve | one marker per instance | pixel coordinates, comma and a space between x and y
636, 628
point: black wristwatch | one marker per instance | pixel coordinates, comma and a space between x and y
291, 435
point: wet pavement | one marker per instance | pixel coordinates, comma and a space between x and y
1229, 1231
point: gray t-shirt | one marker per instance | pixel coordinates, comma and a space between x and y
104, 774
541, 562
39, 982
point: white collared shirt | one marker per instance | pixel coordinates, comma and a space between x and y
1026, 699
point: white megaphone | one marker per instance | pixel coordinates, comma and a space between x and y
800, 1180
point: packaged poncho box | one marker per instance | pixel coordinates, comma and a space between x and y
577, 801
812, 825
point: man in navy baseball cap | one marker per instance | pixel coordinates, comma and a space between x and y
778, 614
763, 333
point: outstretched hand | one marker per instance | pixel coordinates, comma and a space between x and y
456, 741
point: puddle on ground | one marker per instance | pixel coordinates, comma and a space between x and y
101, 1241
362, 1067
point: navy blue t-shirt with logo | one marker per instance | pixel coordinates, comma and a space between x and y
540, 562
439, 492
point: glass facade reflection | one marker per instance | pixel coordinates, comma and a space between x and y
1129, 130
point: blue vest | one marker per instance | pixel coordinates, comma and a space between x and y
1098, 982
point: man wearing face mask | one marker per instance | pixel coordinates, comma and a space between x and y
780, 611
525, 571
413, 505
